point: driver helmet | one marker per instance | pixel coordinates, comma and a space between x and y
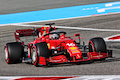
54, 36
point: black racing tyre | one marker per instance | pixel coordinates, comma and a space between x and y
40, 49
97, 45
13, 52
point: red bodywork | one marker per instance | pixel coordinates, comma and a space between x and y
63, 43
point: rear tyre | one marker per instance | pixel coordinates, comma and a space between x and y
13, 52
40, 49
97, 45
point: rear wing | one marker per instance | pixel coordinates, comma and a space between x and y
33, 32
26, 32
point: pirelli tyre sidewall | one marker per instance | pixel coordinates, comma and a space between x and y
34, 56
13, 52
40, 49
97, 45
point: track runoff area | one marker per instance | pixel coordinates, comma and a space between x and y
23, 19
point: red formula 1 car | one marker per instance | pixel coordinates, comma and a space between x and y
54, 47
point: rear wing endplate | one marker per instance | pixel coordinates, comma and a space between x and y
26, 32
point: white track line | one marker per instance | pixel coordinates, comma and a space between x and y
66, 27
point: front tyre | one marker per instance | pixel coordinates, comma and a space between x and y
40, 50
13, 52
97, 45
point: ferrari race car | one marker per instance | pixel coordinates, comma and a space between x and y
51, 47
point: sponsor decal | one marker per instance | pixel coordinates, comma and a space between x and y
48, 45
76, 51
51, 60
78, 55
98, 56
52, 47
70, 44
17, 33
73, 48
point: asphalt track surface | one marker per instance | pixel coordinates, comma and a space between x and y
108, 67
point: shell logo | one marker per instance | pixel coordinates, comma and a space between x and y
73, 48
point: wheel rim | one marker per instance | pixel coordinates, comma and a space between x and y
91, 47
6, 54
34, 56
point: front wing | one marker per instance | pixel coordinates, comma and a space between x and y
63, 59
